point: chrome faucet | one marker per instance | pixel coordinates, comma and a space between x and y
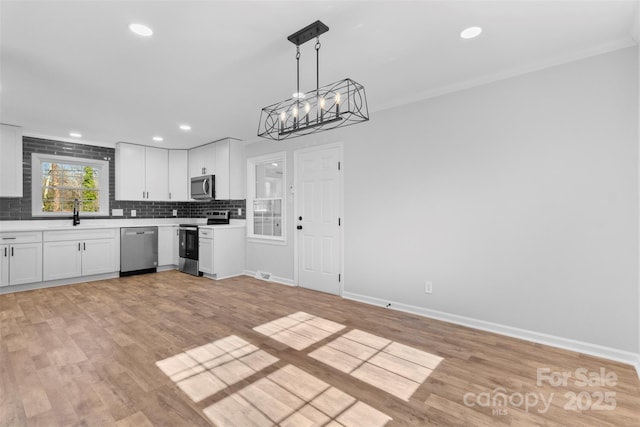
76, 212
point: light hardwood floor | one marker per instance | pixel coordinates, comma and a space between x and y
169, 349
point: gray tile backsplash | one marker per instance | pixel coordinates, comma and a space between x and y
20, 208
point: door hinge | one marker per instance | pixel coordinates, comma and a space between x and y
338, 165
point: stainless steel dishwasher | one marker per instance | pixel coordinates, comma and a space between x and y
138, 250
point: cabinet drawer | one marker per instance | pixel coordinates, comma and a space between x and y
75, 235
21, 237
205, 233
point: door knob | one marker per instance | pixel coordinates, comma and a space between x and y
299, 227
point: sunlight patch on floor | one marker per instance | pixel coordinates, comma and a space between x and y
299, 330
390, 366
203, 371
292, 397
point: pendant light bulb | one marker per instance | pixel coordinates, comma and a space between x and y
307, 108
338, 98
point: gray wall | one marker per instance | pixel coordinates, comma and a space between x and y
20, 208
518, 199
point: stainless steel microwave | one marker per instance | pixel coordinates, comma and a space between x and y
203, 187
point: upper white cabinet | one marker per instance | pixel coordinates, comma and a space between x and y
230, 169
178, 175
10, 161
202, 160
141, 172
130, 178
156, 177
225, 160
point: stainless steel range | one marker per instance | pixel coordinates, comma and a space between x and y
188, 242
188, 248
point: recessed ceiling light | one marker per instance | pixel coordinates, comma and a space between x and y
158, 138
141, 30
185, 127
471, 32
75, 134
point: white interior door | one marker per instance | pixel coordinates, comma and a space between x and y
318, 197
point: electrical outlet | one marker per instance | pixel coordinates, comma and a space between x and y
117, 212
428, 287
239, 211
175, 212
133, 212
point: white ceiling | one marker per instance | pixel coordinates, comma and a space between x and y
75, 66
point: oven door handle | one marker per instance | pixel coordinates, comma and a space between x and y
205, 191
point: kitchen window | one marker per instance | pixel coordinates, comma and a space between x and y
57, 181
266, 197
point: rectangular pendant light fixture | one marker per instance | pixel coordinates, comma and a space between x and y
339, 104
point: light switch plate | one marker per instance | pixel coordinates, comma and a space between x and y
133, 212
117, 212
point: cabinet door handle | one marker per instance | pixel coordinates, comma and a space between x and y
78, 245
8, 238
147, 195
169, 196
11, 250
5, 251
84, 246
143, 194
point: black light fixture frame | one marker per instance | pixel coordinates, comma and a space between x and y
339, 104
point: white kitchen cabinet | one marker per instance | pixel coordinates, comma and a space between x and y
141, 172
222, 251
178, 175
21, 258
25, 264
62, 260
10, 161
205, 250
156, 177
202, 160
99, 256
167, 246
79, 253
4, 265
130, 172
230, 169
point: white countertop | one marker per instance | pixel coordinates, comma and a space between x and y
92, 224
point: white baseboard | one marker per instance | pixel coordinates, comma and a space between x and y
622, 356
275, 279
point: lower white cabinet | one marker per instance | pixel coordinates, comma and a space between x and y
167, 246
4, 265
68, 254
221, 251
62, 260
21, 258
205, 251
